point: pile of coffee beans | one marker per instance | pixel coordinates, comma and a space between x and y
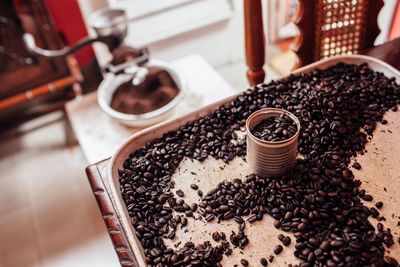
275, 129
319, 202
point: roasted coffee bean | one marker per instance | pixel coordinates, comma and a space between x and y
286, 241
318, 201
278, 249
244, 262
356, 165
189, 213
277, 224
194, 186
379, 204
264, 262
374, 212
184, 221
216, 236
193, 207
367, 197
180, 193
271, 258
281, 237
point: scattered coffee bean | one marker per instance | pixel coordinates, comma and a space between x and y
200, 193
264, 262
286, 241
281, 237
180, 193
277, 224
278, 249
356, 165
216, 236
271, 258
184, 221
379, 204
244, 262
194, 186
367, 197
193, 207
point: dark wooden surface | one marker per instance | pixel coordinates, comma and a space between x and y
98, 179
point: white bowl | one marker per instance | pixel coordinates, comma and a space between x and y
110, 84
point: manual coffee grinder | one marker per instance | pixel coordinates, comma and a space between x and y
111, 28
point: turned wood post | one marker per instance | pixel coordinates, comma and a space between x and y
254, 41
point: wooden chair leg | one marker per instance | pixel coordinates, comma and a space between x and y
254, 41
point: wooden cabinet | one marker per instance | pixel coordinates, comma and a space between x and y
25, 79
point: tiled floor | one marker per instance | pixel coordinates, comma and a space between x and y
48, 214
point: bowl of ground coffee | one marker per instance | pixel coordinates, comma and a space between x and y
151, 101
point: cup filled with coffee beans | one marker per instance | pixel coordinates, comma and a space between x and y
272, 138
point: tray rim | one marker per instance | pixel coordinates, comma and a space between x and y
161, 128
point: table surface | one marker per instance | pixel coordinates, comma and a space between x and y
374, 161
100, 136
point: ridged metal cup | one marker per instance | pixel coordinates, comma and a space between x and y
270, 159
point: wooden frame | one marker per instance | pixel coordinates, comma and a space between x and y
319, 36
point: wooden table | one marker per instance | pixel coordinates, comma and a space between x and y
97, 174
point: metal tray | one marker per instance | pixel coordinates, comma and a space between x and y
381, 166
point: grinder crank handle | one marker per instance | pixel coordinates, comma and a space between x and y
30, 43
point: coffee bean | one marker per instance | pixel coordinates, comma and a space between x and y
336, 243
194, 186
278, 249
271, 258
281, 237
379, 204
286, 241
244, 262
180, 193
193, 207
367, 197
189, 213
224, 208
184, 221
356, 165
216, 236
264, 262
277, 224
